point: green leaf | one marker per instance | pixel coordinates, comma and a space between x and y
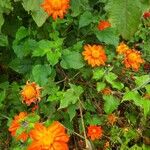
109, 36
71, 96
21, 34
100, 86
138, 101
98, 73
3, 40
85, 19
38, 14
72, 59
21, 66
71, 111
125, 15
33, 118
24, 48
40, 73
110, 77
117, 85
1, 21
53, 57
2, 96
110, 103
75, 7
43, 47
142, 80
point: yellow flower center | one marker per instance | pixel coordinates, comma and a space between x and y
94, 131
29, 91
56, 4
95, 53
132, 57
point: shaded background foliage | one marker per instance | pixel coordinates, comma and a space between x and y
34, 47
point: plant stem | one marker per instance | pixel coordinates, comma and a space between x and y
83, 126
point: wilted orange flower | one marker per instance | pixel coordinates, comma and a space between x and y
52, 138
107, 145
94, 132
31, 93
103, 25
94, 54
16, 124
56, 8
122, 48
133, 59
107, 91
112, 119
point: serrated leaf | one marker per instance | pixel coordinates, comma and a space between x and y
109, 36
71, 111
71, 96
21, 33
125, 15
110, 103
110, 77
40, 73
142, 80
138, 100
38, 14
100, 86
43, 47
24, 48
72, 59
1, 21
75, 7
85, 19
98, 73
53, 57
3, 40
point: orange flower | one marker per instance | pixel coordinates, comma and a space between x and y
133, 59
31, 93
106, 91
146, 15
94, 54
112, 119
103, 25
94, 132
56, 8
51, 138
16, 124
122, 48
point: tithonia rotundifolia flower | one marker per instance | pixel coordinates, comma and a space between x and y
122, 48
94, 55
132, 59
102, 25
56, 8
94, 132
31, 93
53, 137
16, 124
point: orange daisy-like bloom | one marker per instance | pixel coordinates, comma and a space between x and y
52, 138
94, 132
107, 91
16, 124
94, 54
122, 48
133, 59
103, 25
112, 119
56, 8
31, 93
